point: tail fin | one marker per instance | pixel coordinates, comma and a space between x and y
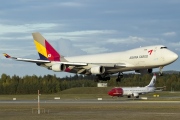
152, 82
45, 50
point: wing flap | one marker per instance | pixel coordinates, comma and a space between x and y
113, 65
74, 63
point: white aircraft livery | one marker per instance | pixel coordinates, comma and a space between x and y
134, 91
142, 60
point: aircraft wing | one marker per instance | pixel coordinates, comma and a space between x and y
26, 60
114, 65
77, 67
44, 61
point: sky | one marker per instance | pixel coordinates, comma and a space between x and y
78, 27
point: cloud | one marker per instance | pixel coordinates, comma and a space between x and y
96, 50
79, 34
91, 32
71, 4
169, 34
128, 40
66, 48
79, 27
24, 28
23, 31
175, 45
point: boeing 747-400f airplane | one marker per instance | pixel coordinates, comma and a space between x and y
134, 91
141, 60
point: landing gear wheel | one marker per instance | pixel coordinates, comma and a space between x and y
118, 79
160, 71
120, 75
160, 74
97, 78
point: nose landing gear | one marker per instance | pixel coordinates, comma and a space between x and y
160, 71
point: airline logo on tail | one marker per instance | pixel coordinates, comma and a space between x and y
152, 82
45, 50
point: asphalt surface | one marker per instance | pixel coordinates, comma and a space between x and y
85, 101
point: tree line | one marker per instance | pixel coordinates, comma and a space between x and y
48, 84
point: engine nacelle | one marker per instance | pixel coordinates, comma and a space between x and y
136, 95
58, 67
97, 70
149, 70
144, 71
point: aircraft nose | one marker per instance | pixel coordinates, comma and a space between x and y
170, 57
109, 93
174, 56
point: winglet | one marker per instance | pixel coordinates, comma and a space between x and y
6, 55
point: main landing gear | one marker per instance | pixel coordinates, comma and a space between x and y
160, 71
120, 75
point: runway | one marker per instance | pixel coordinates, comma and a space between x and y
84, 101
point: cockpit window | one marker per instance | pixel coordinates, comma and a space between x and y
163, 47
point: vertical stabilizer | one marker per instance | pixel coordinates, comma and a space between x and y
152, 82
44, 49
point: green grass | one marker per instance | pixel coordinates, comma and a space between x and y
83, 111
87, 90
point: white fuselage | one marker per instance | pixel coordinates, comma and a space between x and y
138, 90
135, 59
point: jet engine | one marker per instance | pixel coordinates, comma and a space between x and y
144, 71
58, 67
97, 70
149, 70
136, 95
